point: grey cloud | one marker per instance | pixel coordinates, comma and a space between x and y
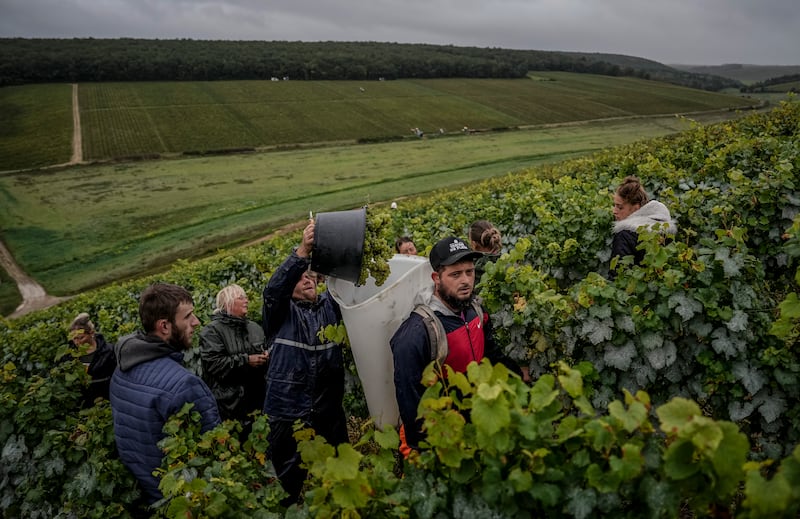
709, 32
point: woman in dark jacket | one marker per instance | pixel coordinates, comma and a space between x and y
633, 209
234, 359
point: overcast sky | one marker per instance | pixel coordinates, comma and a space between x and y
698, 32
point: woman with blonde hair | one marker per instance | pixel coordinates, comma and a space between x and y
233, 357
634, 209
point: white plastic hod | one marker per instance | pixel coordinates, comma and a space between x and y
371, 315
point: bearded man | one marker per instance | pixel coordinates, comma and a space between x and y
151, 384
469, 333
305, 380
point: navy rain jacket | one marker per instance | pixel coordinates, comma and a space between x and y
306, 375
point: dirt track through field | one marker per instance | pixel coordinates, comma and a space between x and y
77, 140
33, 294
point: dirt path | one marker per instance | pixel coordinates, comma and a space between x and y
33, 294
77, 140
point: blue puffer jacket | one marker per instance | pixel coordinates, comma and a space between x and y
306, 375
150, 385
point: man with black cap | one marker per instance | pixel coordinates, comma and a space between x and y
467, 327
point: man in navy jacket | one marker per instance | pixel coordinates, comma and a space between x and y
305, 380
151, 384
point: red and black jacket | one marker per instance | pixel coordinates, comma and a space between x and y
469, 339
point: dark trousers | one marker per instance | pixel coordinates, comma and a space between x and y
283, 449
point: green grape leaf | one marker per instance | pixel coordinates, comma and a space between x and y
571, 380
490, 415
548, 494
630, 418
388, 438
676, 414
521, 481
767, 498
542, 394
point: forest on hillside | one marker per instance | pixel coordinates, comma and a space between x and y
25, 61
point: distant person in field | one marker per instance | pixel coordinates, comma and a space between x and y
633, 209
485, 238
96, 355
151, 384
234, 357
405, 245
468, 329
305, 379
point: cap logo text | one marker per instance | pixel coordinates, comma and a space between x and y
457, 245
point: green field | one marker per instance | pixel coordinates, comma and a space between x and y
36, 127
168, 118
785, 87
84, 226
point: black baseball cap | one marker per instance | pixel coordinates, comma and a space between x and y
451, 250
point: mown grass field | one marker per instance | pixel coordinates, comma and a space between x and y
131, 119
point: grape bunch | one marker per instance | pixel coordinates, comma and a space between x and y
378, 247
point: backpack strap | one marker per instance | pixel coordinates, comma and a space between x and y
436, 334
476, 305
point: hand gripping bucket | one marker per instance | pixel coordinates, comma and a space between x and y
371, 315
339, 244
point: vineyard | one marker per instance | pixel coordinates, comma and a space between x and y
143, 120
668, 390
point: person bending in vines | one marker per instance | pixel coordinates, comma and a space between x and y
633, 209
97, 357
485, 238
405, 245
305, 379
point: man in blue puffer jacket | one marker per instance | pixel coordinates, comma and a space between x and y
305, 380
150, 383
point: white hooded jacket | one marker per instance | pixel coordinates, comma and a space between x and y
626, 234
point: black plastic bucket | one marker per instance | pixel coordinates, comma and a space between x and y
339, 244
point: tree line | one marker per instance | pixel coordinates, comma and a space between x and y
25, 61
